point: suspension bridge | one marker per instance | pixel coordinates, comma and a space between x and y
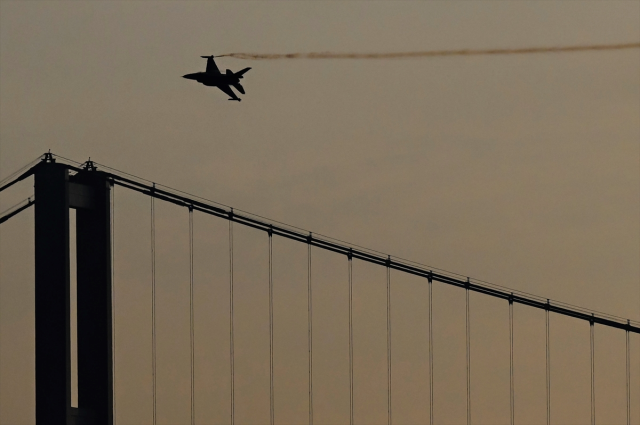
75, 381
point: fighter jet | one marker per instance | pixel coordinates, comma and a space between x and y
213, 77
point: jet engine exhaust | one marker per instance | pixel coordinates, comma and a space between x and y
432, 53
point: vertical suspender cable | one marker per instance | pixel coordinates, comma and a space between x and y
430, 350
593, 382
271, 399
231, 342
350, 268
191, 324
389, 341
548, 364
511, 380
153, 305
628, 375
468, 329
113, 303
310, 328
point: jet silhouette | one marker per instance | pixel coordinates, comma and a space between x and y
213, 77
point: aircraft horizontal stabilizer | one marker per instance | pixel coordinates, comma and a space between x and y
240, 73
238, 87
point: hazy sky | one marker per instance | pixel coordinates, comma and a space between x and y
519, 170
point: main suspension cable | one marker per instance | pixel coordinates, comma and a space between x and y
593, 379
191, 322
231, 342
350, 269
214, 208
310, 334
388, 344
468, 329
271, 395
139, 184
430, 351
511, 379
17, 208
548, 364
19, 171
153, 307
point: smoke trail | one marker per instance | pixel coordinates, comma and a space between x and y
431, 53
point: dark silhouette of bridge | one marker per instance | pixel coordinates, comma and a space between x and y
61, 185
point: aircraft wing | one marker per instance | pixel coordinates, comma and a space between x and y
225, 88
212, 68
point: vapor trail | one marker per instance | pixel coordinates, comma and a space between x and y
431, 53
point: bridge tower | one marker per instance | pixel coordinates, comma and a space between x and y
88, 192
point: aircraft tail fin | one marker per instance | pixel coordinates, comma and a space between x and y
238, 87
211, 65
240, 73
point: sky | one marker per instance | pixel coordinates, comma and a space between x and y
518, 170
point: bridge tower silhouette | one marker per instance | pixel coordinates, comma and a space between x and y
87, 191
